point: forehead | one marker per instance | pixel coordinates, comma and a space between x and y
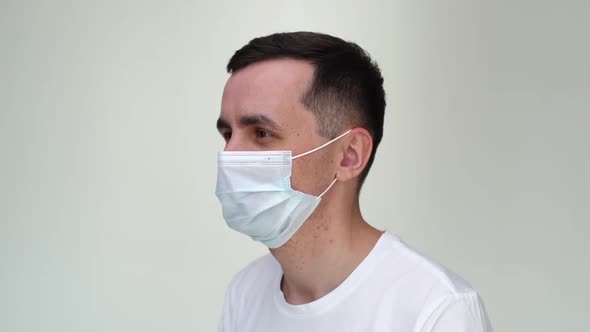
272, 87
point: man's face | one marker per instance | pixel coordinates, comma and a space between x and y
261, 109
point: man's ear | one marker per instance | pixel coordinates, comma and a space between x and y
356, 154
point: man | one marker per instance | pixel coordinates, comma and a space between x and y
302, 116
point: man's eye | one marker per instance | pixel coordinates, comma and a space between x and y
226, 135
262, 134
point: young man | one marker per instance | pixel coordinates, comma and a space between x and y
302, 116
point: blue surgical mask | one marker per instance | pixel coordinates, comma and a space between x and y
254, 188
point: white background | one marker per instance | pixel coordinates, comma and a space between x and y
108, 219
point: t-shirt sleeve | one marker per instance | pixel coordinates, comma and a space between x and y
460, 313
228, 309
225, 319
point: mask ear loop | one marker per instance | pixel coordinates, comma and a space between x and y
330, 186
321, 146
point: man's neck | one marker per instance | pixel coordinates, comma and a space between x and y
324, 252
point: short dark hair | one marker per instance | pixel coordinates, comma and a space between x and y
347, 88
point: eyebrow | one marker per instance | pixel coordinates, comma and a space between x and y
222, 124
250, 120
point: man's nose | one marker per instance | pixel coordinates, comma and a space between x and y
236, 143
231, 146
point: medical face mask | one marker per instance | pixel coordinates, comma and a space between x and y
254, 188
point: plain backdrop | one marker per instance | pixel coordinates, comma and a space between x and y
108, 219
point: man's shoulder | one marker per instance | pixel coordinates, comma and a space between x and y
429, 288
260, 271
407, 262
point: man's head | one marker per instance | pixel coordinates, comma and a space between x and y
295, 91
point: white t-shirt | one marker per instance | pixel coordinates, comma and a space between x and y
394, 289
